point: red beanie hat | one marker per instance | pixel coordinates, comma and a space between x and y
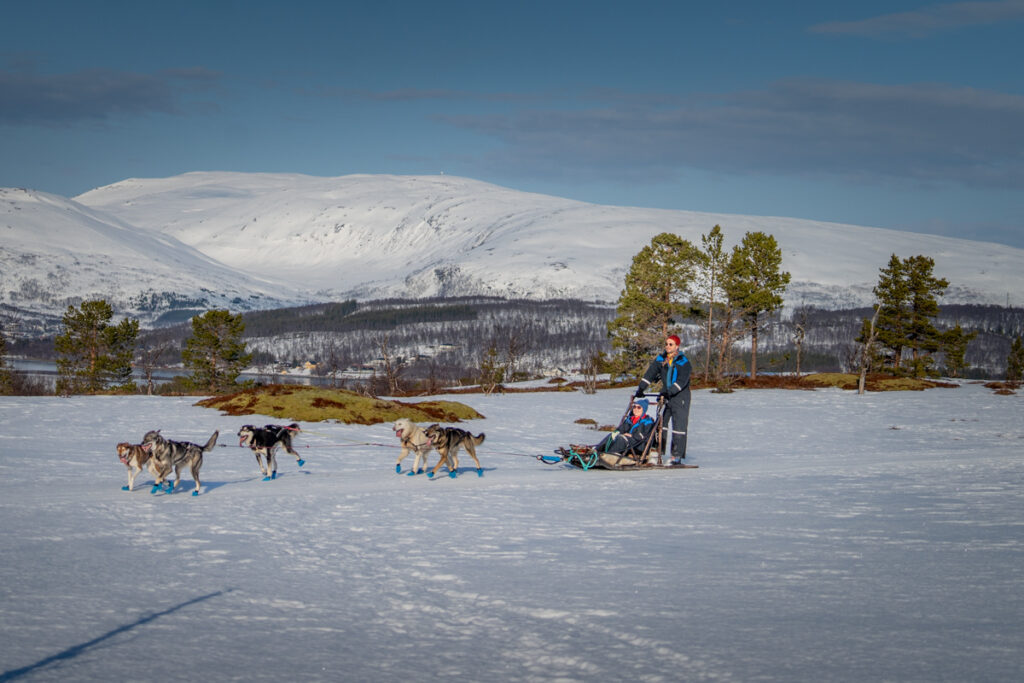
673, 338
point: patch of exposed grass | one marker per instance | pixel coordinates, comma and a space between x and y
1003, 388
838, 380
872, 382
314, 404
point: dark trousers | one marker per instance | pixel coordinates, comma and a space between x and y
677, 411
619, 444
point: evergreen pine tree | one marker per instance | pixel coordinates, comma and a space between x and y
713, 264
657, 295
893, 294
755, 282
923, 338
1015, 362
6, 379
92, 354
954, 344
120, 341
215, 353
907, 294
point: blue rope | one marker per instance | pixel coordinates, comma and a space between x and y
584, 464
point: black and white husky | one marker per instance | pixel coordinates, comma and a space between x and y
168, 455
263, 442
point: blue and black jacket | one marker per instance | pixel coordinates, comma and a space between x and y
633, 435
641, 427
674, 375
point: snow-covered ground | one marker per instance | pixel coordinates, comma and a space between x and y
826, 536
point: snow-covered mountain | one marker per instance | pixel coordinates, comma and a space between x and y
55, 252
257, 240
375, 235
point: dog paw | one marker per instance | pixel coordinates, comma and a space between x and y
125, 488
480, 472
301, 463
195, 493
452, 475
411, 473
266, 478
398, 469
430, 475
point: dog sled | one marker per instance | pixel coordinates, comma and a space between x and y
647, 457
588, 457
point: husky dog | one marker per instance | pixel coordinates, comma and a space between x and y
263, 442
447, 441
174, 455
135, 457
414, 440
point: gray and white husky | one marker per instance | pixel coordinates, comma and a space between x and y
174, 455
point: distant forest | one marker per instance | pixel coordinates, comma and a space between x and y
447, 340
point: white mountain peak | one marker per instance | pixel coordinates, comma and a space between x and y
244, 240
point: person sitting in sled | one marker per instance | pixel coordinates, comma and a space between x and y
632, 433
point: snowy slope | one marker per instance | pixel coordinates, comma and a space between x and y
249, 241
826, 537
375, 235
54, 251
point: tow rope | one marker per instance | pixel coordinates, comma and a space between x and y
584, 460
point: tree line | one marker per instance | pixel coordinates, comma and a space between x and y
726, 305
94, 355
672, 282
722, 303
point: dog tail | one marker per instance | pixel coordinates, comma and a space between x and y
479, 438
212, 442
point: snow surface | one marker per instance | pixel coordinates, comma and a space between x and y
826, 536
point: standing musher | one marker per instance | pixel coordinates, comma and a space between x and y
672, 368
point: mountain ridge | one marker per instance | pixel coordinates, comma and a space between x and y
260, 240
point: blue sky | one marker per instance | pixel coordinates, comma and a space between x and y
906, 115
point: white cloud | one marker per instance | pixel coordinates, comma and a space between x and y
928, 20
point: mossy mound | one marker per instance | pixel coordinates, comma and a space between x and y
313, 404
872, 382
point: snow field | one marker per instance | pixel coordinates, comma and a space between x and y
826, 536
